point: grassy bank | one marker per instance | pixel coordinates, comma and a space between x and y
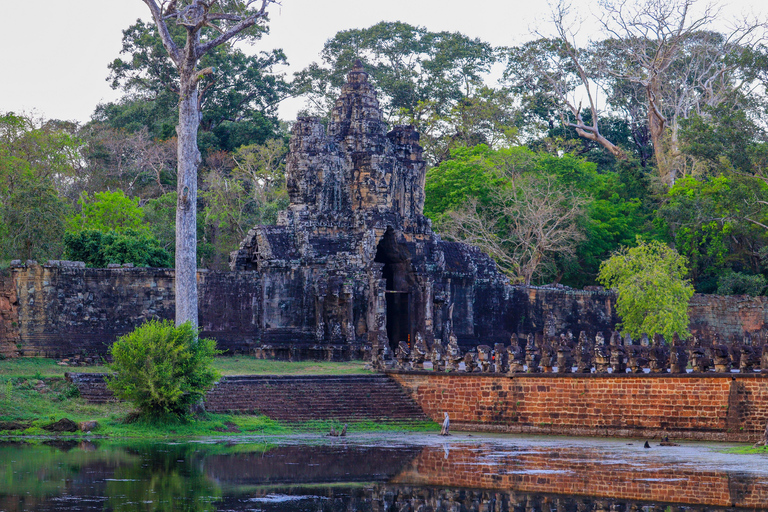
236, 365
34, 393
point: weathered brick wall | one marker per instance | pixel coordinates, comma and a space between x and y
564, 471
715, 407
9, 316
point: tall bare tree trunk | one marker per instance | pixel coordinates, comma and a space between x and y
226, 23
186, 203
656, 124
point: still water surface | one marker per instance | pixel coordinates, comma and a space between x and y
394, 473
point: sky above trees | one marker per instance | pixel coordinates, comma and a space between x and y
55, 55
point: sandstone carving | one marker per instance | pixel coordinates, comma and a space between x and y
353, 260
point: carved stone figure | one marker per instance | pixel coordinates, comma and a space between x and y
453, 354
700, 357
532, 355
548, 353
516, 356
500, 361
637, 356
437, 356
678, 358
658, 355
419, 353
470, 362
721, 355
764, 359
618, 354
749, 357
584, 353
564, 356
602, 354
484, 358
403, 356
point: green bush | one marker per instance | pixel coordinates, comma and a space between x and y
97, 249
653, 293
162, 369
736, 283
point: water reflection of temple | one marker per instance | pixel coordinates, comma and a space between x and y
376, 477
393, 498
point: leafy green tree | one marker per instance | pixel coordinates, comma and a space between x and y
38, 163
717, 224
98, 249
653, 292
527, 225
33, 217
723, 140
131, 161
238, 100
162, 369
407, 65
108, 211
488, 116
523, 208
737, 283
471, 172
160, 214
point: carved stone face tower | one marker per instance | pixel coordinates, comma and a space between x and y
353, 259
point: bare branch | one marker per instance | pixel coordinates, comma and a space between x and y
239, 27
165, 35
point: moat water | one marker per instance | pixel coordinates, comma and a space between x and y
379, 473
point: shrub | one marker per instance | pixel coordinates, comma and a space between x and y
98, 249
162, 368
736, 283
653, 292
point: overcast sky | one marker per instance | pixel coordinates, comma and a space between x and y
54, 54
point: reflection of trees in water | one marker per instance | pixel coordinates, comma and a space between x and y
168, 478
324, 478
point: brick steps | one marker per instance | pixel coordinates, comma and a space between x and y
92, 387
293, 399
305, 398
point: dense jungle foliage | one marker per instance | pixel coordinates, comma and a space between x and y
534, 168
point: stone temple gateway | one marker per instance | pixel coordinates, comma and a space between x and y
352, 264
353, 260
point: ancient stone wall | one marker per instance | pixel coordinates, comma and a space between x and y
9, 316
66, 309
728, 316
731, 407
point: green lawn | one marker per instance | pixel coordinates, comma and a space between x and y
237, 365
34, 392
245, 365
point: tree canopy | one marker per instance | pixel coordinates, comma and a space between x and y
653, 126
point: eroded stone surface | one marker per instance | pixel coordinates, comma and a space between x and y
353, 260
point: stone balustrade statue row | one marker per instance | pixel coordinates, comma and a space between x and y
567, 354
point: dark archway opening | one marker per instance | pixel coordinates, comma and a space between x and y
396, 272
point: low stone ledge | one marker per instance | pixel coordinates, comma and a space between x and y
626, 433
555, 375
